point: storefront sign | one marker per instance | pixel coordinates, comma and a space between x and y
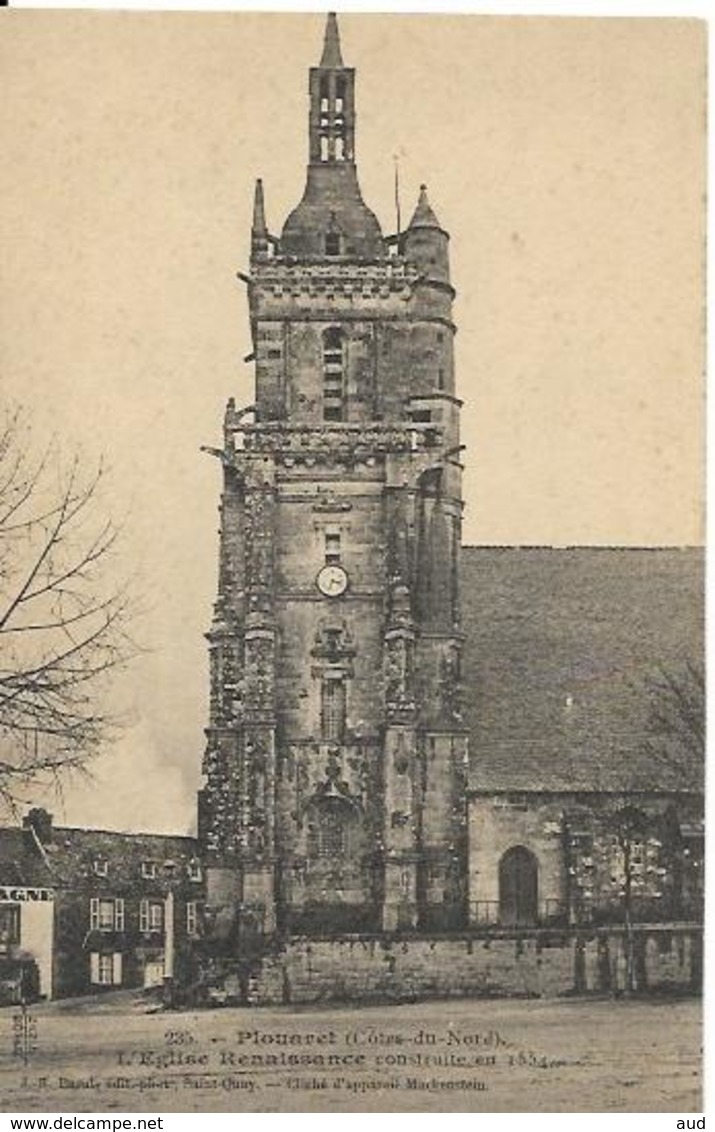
26, 894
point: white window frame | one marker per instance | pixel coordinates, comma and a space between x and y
194, 870
151, 911
100, 867
149, 869
105, 968
106, 914
156, 917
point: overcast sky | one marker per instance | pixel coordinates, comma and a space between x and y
566, 158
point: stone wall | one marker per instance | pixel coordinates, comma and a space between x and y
578, 849
534, 965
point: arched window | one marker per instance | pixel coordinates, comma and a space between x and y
335, 832
332, 709
333, 377
327, 832
518, 887
340, 96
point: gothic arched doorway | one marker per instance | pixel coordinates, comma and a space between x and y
518, 887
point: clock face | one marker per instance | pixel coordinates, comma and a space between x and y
332, 581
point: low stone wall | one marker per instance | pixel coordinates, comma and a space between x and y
534, 964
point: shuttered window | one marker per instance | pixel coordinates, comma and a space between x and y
333, 376
105, 968
106, 914
151, 916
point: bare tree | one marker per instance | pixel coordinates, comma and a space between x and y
674, 743
631, 828
63, 622
676, 721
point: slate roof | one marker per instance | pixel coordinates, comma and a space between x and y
71, 853
67, 857
22, 860
558, 645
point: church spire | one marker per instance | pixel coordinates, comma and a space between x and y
332, 56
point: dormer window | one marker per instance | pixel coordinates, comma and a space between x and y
149, 869
100, 867
193, 870
332, 243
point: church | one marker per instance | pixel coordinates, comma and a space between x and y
430, 768
407, 735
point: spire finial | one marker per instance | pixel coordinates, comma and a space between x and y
259, 228
259, 210
331, 46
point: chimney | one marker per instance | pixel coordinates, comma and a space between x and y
40, 821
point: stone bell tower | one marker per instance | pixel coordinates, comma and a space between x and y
335, 767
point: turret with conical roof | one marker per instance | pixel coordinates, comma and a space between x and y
424, 216
425, 242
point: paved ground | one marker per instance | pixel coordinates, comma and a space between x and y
463, 1056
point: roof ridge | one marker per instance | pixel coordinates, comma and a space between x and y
580, 546
124, 832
